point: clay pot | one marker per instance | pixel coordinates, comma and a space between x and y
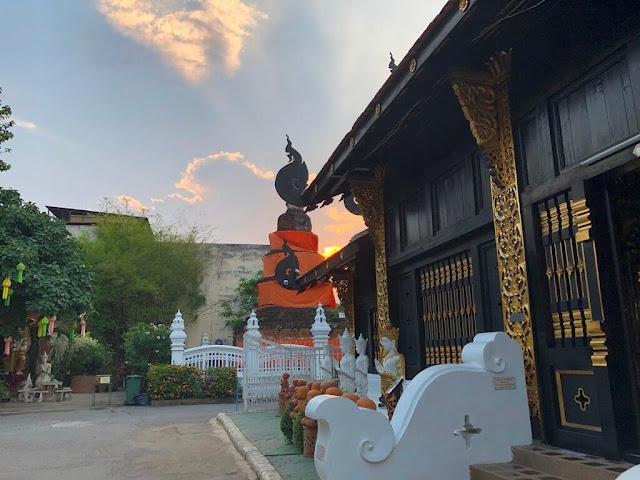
334, 391
312, 393
310, 434
286, 375
367, 403
302, 392
295, 382
351, 396
315, 386
301, 382
282, 404
293, 402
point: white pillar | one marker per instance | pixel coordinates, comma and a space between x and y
252, 325
250, 351
178, 337
320, 331
205, 339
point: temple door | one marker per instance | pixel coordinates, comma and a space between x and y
410, 327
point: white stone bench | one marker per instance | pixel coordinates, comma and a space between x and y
29, 396
62, 394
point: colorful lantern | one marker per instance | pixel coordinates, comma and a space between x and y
7, 345
6, 283
20, 267
42, 327
7, 301
72, 332
52, 324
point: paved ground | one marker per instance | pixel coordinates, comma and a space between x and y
56, 441
262, 429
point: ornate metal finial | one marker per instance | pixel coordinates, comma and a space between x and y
292, 179
392, 63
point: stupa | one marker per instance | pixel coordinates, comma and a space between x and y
284, 312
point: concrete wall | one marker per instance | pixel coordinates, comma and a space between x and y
230, 263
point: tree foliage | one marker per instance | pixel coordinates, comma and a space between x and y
146, 345
142, 276
55, 281
5, 133
245, 298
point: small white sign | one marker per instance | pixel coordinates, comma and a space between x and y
320, 452
504, 383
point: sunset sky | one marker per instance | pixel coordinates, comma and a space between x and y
181, 106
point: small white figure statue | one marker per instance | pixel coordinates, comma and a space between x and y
392, 366
28, 385
44, 370
362, 367
326, 366
347, 368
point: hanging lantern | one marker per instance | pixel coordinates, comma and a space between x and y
42, 327
7, 345
7, 301
52, 324
72, 332
6, 283
20, 267
83, 326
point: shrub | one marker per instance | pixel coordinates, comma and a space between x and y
146, 344
4, 391
286, 423
168, 382
87, 356
298, 432
220, 382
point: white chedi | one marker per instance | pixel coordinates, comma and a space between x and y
347, 367
362, 367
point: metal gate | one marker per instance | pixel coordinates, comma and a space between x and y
266, 361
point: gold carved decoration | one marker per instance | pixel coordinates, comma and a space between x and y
378, 109
563, 414
352, 142
484, 99
344, 287
370, 197
413, 65
463, 5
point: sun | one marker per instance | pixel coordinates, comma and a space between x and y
328, 251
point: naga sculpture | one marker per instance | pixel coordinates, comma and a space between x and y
287, 269
292, 179
347, 368
449, 417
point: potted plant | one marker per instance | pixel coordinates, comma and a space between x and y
87, 358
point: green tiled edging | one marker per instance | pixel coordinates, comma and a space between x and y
259, 433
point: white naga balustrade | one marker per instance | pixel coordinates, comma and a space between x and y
204, 356
449, 417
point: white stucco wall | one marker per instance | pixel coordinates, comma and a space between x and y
230, 263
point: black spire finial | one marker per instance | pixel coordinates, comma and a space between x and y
392, 63
292, 179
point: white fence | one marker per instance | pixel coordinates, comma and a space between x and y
207, 356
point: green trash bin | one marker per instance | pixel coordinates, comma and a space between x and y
134, 384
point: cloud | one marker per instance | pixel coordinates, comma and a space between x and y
343, 221
190, 184
156, 200
131, 203
187, 33
24, 124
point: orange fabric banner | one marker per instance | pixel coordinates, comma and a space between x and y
271, 293
307, 241
306, 261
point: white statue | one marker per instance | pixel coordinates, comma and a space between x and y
44, 370
392, 366
449, 417
347, 368
28, 385
362, 367
326, 366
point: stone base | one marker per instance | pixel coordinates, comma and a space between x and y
294, 219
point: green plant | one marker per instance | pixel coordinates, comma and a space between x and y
146, 345
4, 391
87, 356
168, 382
286, 423
220, 382
5, 134
245, 298
298, 432
60, 357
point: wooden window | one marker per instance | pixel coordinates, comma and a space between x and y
413, 219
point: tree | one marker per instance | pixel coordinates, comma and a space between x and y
236, 308
142, 276
5, 133
55, 279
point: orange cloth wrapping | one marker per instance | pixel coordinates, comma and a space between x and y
270, 293
306, 261
296, 240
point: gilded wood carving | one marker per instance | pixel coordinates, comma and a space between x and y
484, 99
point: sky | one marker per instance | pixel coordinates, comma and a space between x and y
180, 107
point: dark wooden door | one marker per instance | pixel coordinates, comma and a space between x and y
491, 299
410, 326
573, 367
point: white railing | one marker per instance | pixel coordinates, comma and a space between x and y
207, 356
266, 361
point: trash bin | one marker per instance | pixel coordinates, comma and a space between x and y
134, 383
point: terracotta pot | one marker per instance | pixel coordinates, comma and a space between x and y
310, 434
83, 383
282, 403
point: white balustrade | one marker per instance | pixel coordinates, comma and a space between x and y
207, 356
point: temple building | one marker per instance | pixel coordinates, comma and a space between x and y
497, 172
